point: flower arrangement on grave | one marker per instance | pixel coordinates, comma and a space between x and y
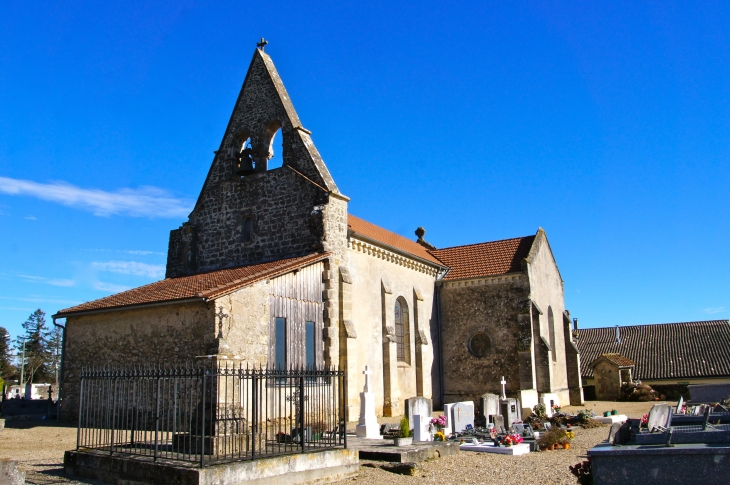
570, 434
556, 408
583, 471
439, 423
552, 438
439, 436
511, 439
644, 421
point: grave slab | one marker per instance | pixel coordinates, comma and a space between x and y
515, 450
659, 415
708, 393
616, 418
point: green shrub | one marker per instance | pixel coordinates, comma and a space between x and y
405, 428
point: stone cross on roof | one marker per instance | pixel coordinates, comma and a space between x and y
367, 373
262, 43
504, 392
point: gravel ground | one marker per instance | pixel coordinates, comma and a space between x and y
39, 447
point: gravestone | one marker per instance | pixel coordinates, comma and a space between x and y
421, 425
490, 405
659, 416
448, 412
367, 426
549, 399
498, 422
510, 411
418, 405
463, 415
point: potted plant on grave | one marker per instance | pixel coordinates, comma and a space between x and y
405, 435
511, 439
614, 412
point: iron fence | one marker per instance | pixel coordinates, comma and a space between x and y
205, 413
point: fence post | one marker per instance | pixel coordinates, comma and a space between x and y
343, 401
157, 418
81, 408
302, 434
114, 416
202, 425
254, 411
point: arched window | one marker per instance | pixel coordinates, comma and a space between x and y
551, 329
247, 229
402, 331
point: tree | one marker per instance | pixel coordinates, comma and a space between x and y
36, 351
54, 340
6, 367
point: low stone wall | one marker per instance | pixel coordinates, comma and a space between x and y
319, 467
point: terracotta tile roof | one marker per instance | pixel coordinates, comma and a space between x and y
485, 259
377, 233
663, 351
617, 359
204, 285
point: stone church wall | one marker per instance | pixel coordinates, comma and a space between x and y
546, 290
246, 329
468, 308
153, 335
368, 273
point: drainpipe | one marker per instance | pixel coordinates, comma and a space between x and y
60, 374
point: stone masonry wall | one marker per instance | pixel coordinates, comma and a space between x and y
156, 335
489, 308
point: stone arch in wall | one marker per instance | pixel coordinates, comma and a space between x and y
253, 150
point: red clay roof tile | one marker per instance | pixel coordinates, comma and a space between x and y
377, 233
485, 259
204, 285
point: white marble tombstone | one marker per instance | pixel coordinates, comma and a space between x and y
421, 428
549, 399
448, 409
418, 405
490, 406
463, 415
367, 426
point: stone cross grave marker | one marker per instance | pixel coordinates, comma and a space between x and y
658, 417
504, 391
418, 405
463, 414
367, 426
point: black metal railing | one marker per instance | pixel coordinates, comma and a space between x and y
204, 413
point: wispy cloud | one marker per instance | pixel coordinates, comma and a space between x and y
48, 281
142, 202
31, 218
40, 299
110, 287
712, 311
131, 267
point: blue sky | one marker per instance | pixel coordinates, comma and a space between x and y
607, 124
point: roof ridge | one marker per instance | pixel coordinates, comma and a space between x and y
642, 325
484, 242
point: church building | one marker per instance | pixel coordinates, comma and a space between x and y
270, 269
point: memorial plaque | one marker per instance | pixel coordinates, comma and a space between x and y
462, 415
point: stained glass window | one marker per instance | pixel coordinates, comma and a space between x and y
402, 331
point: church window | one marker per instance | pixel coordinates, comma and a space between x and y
402, 331
309, 345
551, 329
280, 343
479, 344
247, 230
